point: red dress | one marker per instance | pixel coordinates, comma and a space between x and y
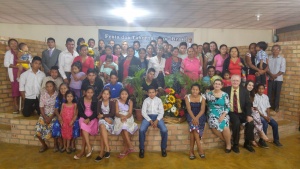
67, 114
235, 68
88, 63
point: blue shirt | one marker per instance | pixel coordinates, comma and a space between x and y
114, 89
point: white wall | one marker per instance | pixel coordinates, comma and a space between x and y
231, 37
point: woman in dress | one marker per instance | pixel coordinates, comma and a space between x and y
106, 112
173, 66
10, 61
47, 117
218, 108
196, 118
191, 66
158, 63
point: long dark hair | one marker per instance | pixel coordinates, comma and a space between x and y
105, 89
127, 100
60, 96
252, 92
73, 94
238, 52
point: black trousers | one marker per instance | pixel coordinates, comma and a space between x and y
274, 88
236, 119
30, 105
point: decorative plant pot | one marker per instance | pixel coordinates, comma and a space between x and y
174, 120
138, 114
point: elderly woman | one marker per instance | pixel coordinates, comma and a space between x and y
10, 61
191, 66
158, 63
234, 64
86, 61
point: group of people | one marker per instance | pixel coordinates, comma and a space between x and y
81, 92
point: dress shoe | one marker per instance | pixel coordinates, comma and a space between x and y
277, 143
249, 148
262, 143
236, 149
227, 150
164, 152
141, 154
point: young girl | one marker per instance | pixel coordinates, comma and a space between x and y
69, 116
226, 79
106, 111
107, 67
124, 122
196, 118
142, 56
87, 111
258, 126
76, 78
47, 117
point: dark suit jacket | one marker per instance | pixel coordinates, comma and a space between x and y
48, 61
243, 98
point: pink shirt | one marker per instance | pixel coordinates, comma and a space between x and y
103, 58
192, 68
219, 62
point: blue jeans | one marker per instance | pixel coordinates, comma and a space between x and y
274, 125
163, 131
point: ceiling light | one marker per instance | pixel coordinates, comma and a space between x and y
258, 16
129, 13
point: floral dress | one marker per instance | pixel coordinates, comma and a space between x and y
109, 127
196, 107
216, 107
43, 129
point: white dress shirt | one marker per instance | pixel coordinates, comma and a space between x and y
261, 102
8, 60
65, 61
152, 107
158, 66
31, 83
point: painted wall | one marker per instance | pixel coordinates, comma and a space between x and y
231, 37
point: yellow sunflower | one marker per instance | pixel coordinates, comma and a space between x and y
172, 91
169, 106
171, 99
165, 107
91, 52
176, 113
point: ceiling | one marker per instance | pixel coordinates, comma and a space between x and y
238, 14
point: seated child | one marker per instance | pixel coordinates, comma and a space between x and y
261, 61
107, 67
114, 86
24, 58
226, 79
262, 104
153, 112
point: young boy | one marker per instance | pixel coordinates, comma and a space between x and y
262, 104
30, 81
107, 67
153, 112
261, 61
114, 86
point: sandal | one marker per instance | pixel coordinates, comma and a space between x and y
62, 150
69, 151
43, 149
130, 150
76, 157
192, 157
121, 155
202, 155
90, 153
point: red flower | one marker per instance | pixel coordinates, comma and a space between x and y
167, 90
181, 112
177, 96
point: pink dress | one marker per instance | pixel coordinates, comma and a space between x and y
192, 68
67, 114
219, 62
91, 127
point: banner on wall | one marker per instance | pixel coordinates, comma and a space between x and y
144, 37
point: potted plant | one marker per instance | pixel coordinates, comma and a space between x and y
136, 83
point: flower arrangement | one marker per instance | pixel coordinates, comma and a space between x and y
172, 103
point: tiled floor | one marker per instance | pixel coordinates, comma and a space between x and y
286, 157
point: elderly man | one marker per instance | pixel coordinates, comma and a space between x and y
276, 70
240, 112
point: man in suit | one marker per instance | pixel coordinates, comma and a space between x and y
240, 112
50, 56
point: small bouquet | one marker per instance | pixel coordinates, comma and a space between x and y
172, 104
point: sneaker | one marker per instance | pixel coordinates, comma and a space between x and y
262, 143
98, 159
107, 154
277, 143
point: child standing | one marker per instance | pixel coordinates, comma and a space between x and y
124, 123
24, 59
107, 67
87, 111
106, 112
114, 86
153, 112
47, 117
69, 116
226, 79
262, 104
77, 77
261, 61
196, 119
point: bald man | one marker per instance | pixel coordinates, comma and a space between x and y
240, 112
